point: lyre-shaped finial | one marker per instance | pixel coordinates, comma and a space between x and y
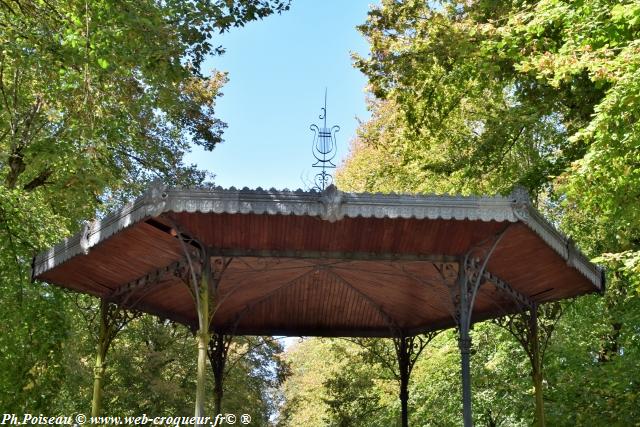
324, 148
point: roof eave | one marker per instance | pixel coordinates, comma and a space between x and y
330, 205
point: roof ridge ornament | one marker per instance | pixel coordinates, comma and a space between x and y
324, 149
155, 198
332, 199
84, 239
520, 194
520, 201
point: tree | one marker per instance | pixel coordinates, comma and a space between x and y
304, 395
474, 97
96, 99
364, 391
461, 125
534, 335
397, 358
256, 369
250, 367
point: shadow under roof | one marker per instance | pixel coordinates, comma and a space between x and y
324, 264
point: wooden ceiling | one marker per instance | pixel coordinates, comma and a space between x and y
301, 275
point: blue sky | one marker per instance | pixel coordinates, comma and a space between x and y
278, 70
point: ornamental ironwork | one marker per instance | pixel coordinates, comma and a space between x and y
324, 149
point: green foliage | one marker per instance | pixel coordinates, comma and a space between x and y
31, 366
154, 363
475, 97
255, 370
96, 99
341, 383
461, 124
592, 46
153, 369
305, 398
365, 390
31, 363
605, 349
97, 96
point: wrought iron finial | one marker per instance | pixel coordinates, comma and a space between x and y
324, 149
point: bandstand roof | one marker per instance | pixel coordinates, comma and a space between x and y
325, 264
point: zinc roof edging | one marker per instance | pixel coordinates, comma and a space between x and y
331, 205
563, 245
93, 232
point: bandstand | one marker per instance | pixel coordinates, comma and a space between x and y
228, 262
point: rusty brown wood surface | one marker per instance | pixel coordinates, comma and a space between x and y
320, 296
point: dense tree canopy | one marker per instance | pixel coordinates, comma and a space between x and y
96, 99
476, 97
479, 96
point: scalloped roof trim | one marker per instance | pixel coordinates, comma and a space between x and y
331, 205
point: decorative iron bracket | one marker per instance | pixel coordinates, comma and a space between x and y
122, 294
518, 296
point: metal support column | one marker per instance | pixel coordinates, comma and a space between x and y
403, 350
464, 343
101, 353
112, 319
536, 359
408, 350
470, 277
199, 279
202, 278
218, 353
202, 293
